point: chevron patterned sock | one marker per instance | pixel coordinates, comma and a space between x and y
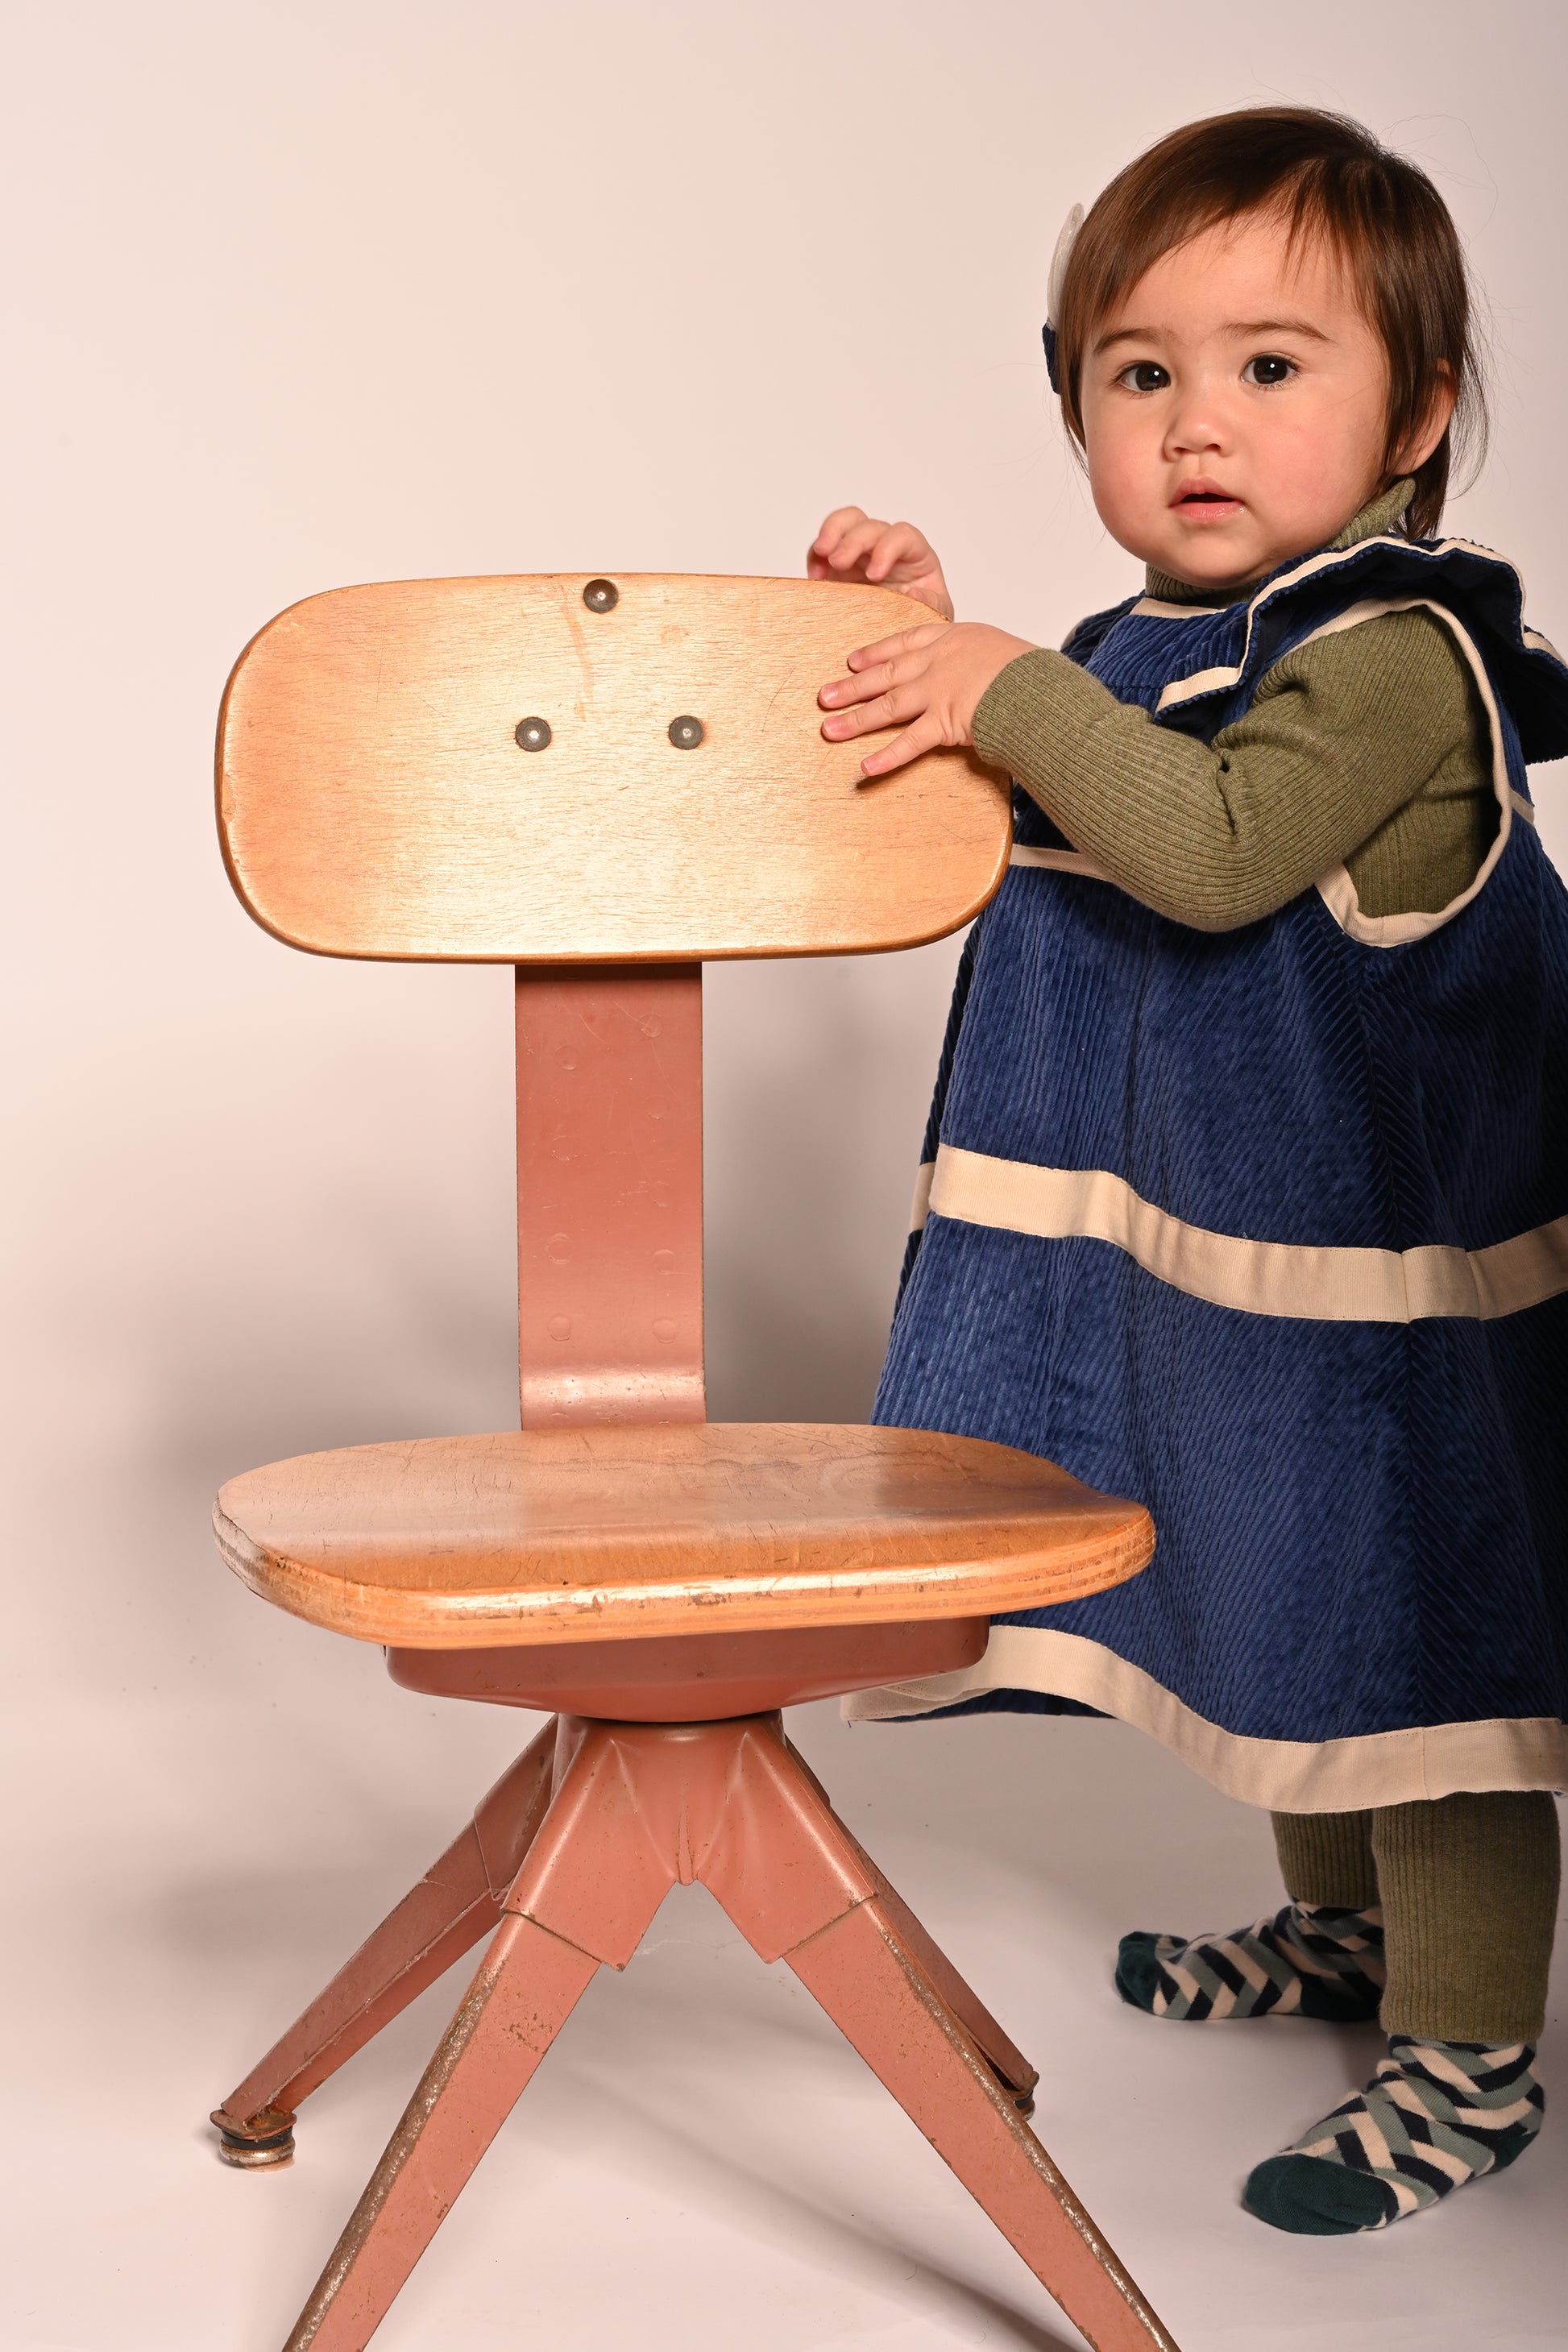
1434, 2115
1311, 1959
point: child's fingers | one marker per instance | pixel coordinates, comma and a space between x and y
892, 707
864, 684
852, 544
902, 660
903, 641
924, 735
848, 544
825, 558
899, 545
834, 527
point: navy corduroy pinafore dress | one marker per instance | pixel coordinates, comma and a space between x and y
1268, 1228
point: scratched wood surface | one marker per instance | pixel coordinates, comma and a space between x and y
373, 800
547, 1535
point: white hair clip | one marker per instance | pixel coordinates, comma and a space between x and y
1059, 259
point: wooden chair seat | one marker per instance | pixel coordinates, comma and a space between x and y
600, 1532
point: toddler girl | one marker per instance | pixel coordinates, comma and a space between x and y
1245, 1187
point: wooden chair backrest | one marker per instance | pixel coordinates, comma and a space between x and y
381, 793
374, 798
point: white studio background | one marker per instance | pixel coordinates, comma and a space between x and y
332, 290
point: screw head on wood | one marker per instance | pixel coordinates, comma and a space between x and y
601, 595
686, 733
532, 734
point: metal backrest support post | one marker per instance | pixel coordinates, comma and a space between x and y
609, 1193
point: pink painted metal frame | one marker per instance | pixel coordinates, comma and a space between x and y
667, 1763
609, 1193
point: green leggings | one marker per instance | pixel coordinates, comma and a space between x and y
1469, 1890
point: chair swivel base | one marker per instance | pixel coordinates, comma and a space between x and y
563, 1866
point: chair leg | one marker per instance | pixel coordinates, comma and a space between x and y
456, 1903
1001, 2053
599, 1866
872, 1986
527, 1987
870, 1976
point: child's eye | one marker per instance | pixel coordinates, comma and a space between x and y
1267, 368
1144, 375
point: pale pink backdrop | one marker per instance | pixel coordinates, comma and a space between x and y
304, 294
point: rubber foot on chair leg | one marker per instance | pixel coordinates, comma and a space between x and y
267, 2138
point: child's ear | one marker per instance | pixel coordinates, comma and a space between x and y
1416, 451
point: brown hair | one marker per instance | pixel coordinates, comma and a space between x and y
1325, 176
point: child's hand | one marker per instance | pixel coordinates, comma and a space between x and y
929, 680
851, 546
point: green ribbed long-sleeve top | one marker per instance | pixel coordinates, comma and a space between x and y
1369, 749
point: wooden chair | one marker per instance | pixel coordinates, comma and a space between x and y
603, 782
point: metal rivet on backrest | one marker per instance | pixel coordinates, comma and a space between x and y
532, 734
601, 595
687, 732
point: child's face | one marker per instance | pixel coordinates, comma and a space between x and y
1234, 406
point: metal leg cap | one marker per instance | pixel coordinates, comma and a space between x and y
1023, 2101
266, 2139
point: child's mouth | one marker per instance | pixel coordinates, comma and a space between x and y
1205, 502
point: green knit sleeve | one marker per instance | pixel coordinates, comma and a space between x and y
1344, 735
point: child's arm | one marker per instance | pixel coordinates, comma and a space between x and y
1343, 733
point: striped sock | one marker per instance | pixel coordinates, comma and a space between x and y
1434, 2115
1311, 1959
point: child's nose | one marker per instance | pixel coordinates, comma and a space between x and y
1197, 422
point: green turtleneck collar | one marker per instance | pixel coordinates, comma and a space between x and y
1380, 514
